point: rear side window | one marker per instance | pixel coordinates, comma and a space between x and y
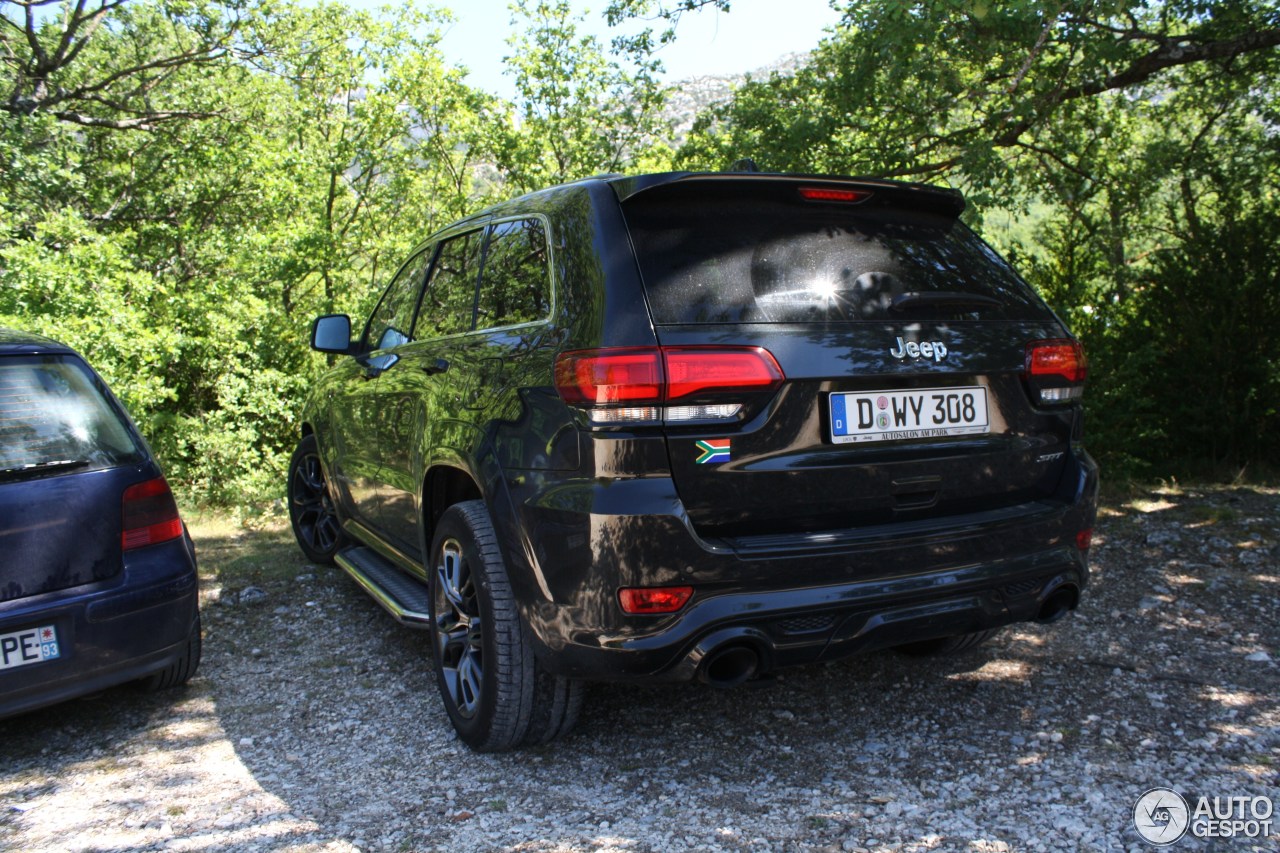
52, 412
515, 287
735, 261
449, 304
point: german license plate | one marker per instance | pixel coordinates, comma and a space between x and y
918, 413
34, 645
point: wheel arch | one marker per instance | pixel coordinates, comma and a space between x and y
443, 486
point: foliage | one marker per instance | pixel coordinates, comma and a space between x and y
579, 112
187, 259
56, 65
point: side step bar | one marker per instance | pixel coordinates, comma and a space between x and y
404, 597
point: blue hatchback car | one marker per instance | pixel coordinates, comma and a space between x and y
98, 581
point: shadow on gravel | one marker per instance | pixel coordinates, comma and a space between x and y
315, 724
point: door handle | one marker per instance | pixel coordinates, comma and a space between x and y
440, 365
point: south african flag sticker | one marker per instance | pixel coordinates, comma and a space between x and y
714, 450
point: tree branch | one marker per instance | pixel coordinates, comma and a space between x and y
1172, 55
146, 122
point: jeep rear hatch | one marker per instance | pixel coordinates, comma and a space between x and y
901, 340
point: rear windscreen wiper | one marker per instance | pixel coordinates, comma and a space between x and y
36, 469
941, 299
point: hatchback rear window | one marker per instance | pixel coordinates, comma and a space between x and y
739, 261
53, 416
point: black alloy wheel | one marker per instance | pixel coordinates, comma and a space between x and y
496, 694
459, 631
311, 511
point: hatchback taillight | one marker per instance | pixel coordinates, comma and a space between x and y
1056, 370
672, 384
149, 515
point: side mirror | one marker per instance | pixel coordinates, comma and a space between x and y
331, 333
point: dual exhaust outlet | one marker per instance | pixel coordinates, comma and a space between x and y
732, 657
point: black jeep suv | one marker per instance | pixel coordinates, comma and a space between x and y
699, 426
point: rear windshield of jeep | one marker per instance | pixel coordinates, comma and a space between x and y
739, 260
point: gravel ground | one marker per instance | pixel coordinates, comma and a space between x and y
314, 725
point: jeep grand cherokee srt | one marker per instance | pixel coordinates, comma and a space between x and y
696, 426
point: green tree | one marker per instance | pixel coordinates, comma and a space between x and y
186, 255
45, 57
578, 111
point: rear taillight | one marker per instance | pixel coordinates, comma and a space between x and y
692, 371
608, 377
1084, 539
149, 515
672, 384
1056, 370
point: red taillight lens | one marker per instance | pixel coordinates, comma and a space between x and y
654, 599
601, 377
149, 515
652, 376
827, 194
1084, 539
1055, 371
694, 370
1057, 358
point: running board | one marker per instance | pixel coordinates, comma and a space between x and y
404, 597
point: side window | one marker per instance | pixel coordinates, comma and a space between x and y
515, 287
392, 322
449, 305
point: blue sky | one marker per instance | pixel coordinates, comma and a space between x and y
753, 34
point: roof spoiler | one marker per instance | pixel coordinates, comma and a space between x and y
942, 200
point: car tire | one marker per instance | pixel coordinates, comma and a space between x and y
312, 513
493, 689
947, 646
181, 670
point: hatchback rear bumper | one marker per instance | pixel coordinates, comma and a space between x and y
110, 632
776, 601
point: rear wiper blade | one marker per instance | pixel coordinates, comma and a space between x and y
38, 468
941, 298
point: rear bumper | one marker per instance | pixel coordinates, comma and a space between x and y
791, 599
109, 633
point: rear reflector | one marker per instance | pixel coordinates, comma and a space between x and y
825, 194
149, 515
1084, 539
632, 385
654, 599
